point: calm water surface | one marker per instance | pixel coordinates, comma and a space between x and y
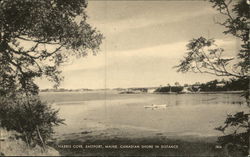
186, 114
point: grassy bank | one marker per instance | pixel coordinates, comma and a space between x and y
12, 145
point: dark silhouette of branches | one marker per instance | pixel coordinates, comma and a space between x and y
204, 56
36, 37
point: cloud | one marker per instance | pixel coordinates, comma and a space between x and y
231, 46
168, 51
172, 50
108, 58
143, 41
143, 19
86, 63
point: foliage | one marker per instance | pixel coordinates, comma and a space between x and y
237, 24
231, 85
36, 37
30, 117
240, 84
166, 89
239, 136
204, 56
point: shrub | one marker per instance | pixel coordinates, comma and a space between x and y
166, 89
30, 117
236, 132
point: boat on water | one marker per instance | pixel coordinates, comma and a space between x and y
154, 106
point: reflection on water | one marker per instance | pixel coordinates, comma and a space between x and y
185, 114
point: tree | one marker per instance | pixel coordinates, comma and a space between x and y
177, 84
204, 56
169, 87
36, 37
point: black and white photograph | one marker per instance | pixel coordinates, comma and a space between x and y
151, 78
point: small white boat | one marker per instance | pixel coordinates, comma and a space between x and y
153, 106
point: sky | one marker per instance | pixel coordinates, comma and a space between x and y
143, 41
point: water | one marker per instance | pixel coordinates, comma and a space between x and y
186, 114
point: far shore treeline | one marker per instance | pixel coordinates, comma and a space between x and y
210, 86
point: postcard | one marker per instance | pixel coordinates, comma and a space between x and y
124, 78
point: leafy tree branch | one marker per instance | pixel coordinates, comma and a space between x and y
204, 56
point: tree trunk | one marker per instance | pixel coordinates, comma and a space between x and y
248, 136
40, 137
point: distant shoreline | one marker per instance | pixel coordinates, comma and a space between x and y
93, 91
212, 92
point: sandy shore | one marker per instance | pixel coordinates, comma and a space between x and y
125, 136
125, 140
